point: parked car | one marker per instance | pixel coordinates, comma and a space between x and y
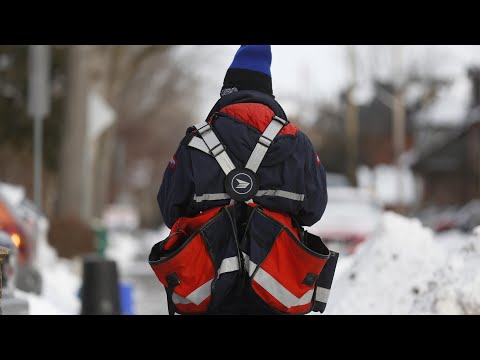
10, 224
337, 180
9, 303
465, 218
18, 218
350, 217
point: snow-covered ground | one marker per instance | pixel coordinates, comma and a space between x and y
61, 281
405, 268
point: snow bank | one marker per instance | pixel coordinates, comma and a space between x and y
14, 194
405, 269
123, 247
38, 305
61, 286
476, 232
61, 283
130, 249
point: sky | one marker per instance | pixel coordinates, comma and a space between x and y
306, 74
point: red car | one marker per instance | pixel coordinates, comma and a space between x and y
12, 226
350, 217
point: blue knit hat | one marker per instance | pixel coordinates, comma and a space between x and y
250, 70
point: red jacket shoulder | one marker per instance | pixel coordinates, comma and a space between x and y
256, 115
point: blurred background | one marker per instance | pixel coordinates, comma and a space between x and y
86, 133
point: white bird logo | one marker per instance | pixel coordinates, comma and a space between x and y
242, 184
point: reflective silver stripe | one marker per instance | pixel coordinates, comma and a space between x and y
177, 299
197, 296
228, 265
225, 163
264, 142
215, 147
322, 294
256, 157
199, 144
223, 196
200, 294
279, 292
251, 267
211, 197
249, 264
281, 193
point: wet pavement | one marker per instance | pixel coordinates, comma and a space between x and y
149, 294
131, 251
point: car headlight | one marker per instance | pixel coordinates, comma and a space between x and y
16, 239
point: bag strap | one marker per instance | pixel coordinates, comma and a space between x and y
212, 146
208, 142
264, 141
324, 283
172, 281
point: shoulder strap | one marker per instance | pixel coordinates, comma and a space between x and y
264, 142
209, 143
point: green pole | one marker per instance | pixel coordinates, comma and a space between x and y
101, 237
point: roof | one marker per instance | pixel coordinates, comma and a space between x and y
443, 146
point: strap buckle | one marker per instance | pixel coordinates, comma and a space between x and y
204, 128
281, 121
217, 150
265, 141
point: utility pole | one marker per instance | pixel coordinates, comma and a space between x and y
398, 117
351, 120
38, 108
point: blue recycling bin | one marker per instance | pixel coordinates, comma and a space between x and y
126, 298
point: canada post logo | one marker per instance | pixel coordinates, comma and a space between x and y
242, 183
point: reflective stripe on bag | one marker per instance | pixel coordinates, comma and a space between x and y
274, 287
283, 270
190, 261
201, 293
324, 282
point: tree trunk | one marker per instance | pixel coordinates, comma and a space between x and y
71, 190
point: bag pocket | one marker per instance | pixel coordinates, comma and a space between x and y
282, 269
190, 261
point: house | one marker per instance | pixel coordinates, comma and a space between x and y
448, 166
376, 127
375, 124
450, 170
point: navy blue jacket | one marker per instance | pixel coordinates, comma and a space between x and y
291, 163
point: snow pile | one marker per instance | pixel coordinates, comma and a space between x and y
123, 247
455, 287
14, 194
476, 232
130, 250
61, 286
59, 292
404, 269
61, 283
38, 305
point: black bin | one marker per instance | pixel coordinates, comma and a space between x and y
100, 289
